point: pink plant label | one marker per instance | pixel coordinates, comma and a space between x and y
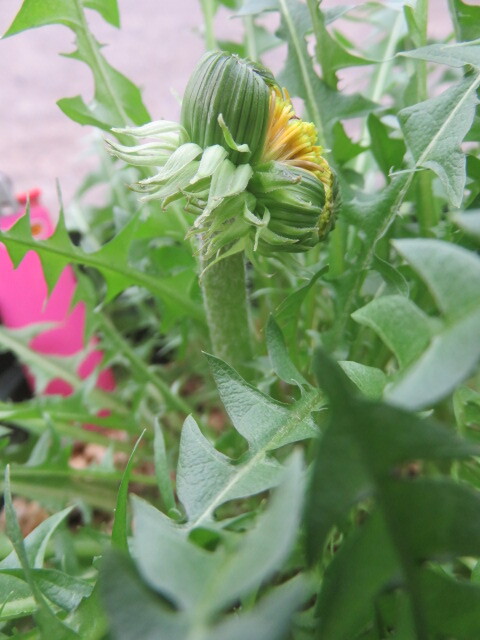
24, 301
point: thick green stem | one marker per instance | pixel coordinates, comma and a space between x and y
337, 249
225, 299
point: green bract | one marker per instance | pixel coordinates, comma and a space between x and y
241, 159
295, 203
238, 90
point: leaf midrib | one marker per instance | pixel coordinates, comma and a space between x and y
307, 404
424, 156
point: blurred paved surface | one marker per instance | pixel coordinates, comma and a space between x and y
157, 48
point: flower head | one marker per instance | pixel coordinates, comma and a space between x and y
292, 141
250, 169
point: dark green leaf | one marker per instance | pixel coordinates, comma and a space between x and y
287, 313
467, 17
120, 523
324, 105
162, 471
277, 350
330, 53
451, 606
387, 150
353, 581
58, 251
392, 276
373, 216
343, 148
369, 440
425, 520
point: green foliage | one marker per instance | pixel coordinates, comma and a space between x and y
120, 524
438, 147
303, 495
200, 583
359, 460
265, 424
324, 105
48, 622
117, 101
111, 261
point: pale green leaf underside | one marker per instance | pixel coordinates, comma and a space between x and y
434, 355
470, 222
265, 423
452, 54
136, 613
453, 276
206, 478
36, 542
370, 380
434, 130
403, 327
205, 583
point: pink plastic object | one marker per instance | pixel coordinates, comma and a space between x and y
24, 300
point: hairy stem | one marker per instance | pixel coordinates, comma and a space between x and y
225, 299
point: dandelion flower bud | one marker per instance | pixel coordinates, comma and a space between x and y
250, 168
